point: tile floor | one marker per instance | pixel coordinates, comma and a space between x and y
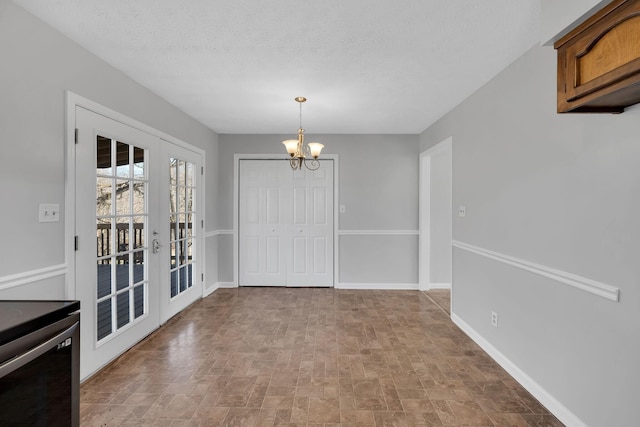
308, 357
442, 298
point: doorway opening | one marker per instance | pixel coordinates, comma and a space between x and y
436, 222
135, 245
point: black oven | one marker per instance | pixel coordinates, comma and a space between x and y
39, 363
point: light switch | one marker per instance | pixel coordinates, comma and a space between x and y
343, 209
462, 211
49, 212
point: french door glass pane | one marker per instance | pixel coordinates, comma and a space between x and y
138, 301
182, 216
121, 218
104, 319
123, 309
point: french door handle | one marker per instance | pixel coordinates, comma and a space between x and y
156, 246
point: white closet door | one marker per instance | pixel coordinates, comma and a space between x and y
310, 261
285, 224
261, 220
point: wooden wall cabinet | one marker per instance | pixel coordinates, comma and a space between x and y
599, 61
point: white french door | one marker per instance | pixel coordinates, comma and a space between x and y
138, 234
181, 272
117, 194
285, 224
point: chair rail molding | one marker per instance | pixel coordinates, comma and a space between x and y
601, 289
32, 276
378, 232
218, 233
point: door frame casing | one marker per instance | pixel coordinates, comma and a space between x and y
73, 100
236, 205
424, 217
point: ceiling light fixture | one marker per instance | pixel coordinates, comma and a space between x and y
298, 151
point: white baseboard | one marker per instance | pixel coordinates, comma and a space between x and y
378, 286
439, 286
371, 286
225, 285
208, 290
550, 402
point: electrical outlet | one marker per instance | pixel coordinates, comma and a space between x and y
462, 211
494, 319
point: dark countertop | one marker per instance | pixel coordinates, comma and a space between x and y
18, 318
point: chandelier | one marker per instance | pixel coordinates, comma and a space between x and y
298, 151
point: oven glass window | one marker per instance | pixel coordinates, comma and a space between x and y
40, 392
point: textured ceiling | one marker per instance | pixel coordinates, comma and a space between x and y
366, 66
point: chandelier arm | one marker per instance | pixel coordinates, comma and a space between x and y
312, 165
294, 163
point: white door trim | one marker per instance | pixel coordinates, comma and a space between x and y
72, 101
236, 205
424, 239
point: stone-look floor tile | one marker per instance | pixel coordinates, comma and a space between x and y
367, 388
391, 419
283, 416
185, 423
231, 401
207, 412
445, 414
280, 391
300, 410
324, 410
278, 402
142, 399
182, 406
542, 421
138, 423
267, 415
508, 420
96, 397
417, 405
239, 417
372, 404
469, 413
309, 357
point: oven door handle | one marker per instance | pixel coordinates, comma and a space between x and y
22, 359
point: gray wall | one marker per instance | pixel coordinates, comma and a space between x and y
560, 17
378, 184
560, 191
38, 65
